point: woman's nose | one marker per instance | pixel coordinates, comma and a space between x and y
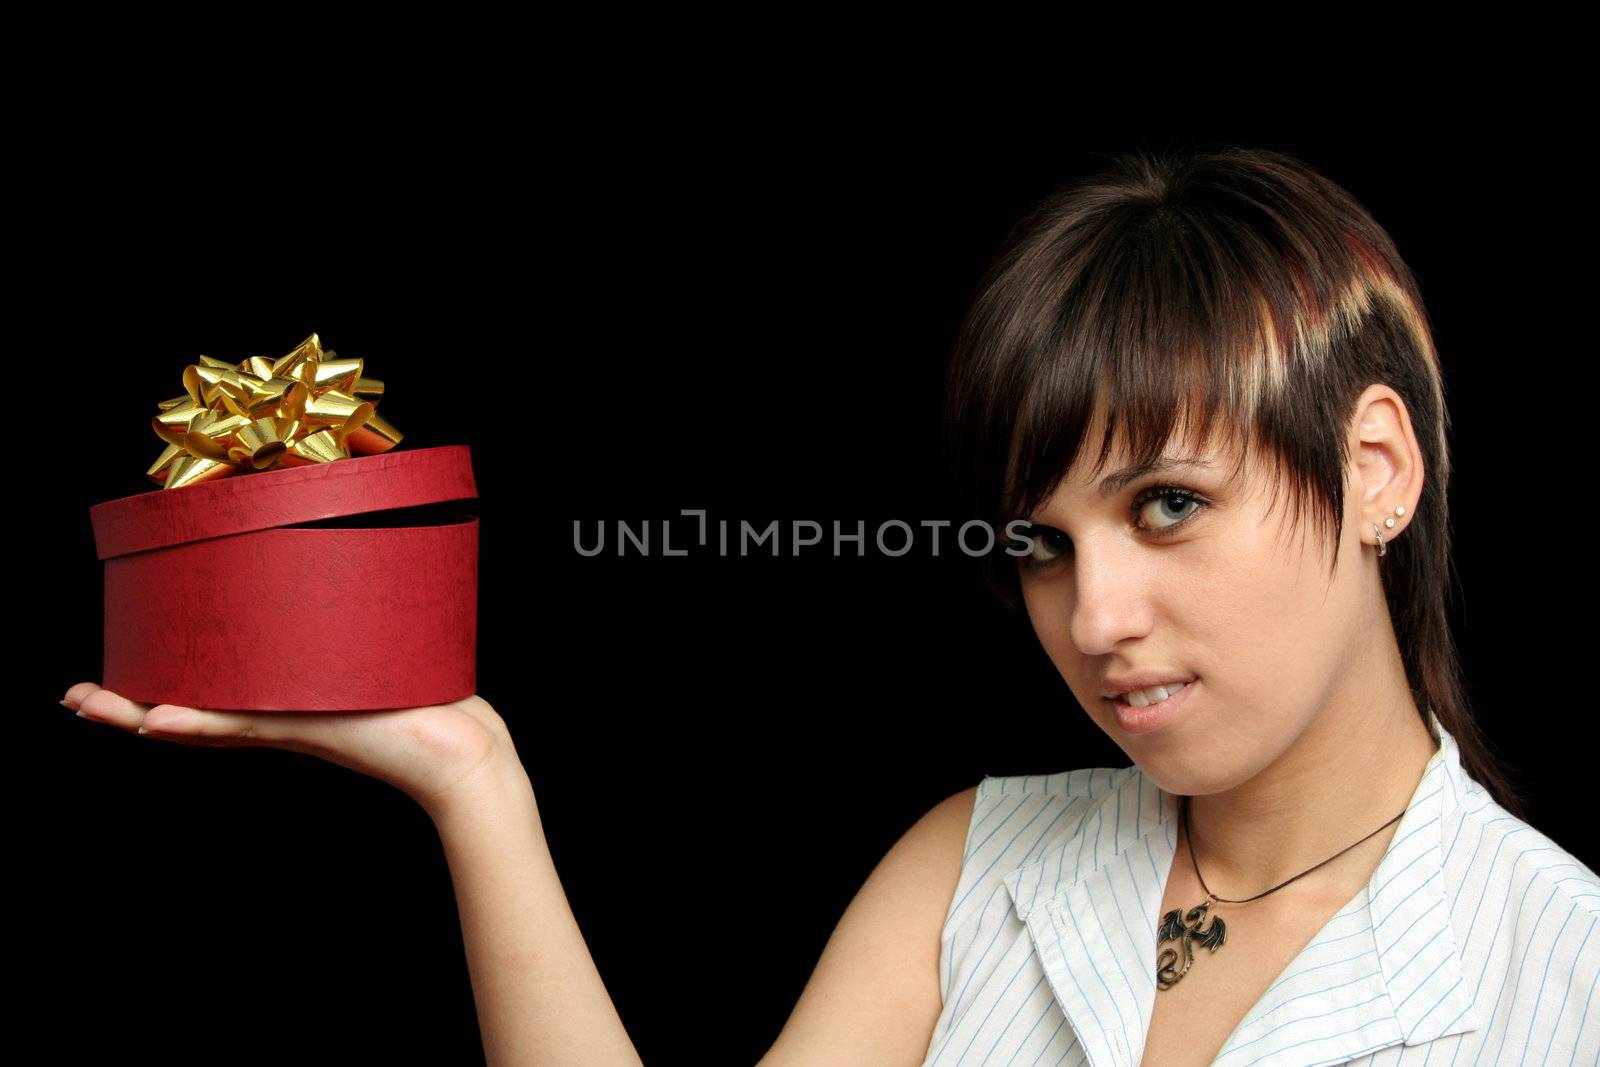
1111, 602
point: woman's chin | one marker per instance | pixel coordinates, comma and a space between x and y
1188, 775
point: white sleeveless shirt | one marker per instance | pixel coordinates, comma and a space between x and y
1476, 941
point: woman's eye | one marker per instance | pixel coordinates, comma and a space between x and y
1162, 508
1157, 511
1042, 546
1047, 545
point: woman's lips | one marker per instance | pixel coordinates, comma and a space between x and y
1147, 719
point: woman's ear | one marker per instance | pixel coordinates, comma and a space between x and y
1387, 461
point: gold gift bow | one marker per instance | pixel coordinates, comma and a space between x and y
304, 407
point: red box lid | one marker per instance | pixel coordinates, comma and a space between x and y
260, 500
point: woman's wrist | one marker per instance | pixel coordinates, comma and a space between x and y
500, 780
539, 997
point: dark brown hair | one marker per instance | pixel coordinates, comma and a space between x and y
1220, 291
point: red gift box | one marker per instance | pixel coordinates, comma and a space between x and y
226, 594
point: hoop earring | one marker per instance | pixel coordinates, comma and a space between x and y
1399, 509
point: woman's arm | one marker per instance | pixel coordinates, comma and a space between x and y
540, 999
874, 999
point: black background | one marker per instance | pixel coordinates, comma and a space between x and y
624, 319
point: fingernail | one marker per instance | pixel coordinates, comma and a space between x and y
142, 730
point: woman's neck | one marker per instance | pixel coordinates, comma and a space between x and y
1352, 770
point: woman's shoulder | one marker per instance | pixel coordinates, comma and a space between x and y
1520, 906
1079, 782
1021, 819
1016, 819
1485, 844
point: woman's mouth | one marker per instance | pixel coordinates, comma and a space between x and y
1145, 710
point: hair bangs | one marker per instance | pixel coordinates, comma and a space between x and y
1203, 305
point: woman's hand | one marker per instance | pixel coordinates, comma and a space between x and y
432, 753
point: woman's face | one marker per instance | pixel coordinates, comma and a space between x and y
1210, 587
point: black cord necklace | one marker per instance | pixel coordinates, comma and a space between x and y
1185, 927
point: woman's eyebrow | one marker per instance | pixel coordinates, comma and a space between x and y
1114, 483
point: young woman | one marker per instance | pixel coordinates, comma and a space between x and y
1198, 397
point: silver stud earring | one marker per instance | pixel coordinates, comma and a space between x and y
1378, 533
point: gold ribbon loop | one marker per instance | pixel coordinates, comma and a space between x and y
303, 407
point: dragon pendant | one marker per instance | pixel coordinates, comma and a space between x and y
1187, 932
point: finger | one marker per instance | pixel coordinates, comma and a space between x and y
102, 705
183, 725
75, 695
180, 724
200, 726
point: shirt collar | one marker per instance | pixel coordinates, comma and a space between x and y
1098, 950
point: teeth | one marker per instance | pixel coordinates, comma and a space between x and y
1143, 698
